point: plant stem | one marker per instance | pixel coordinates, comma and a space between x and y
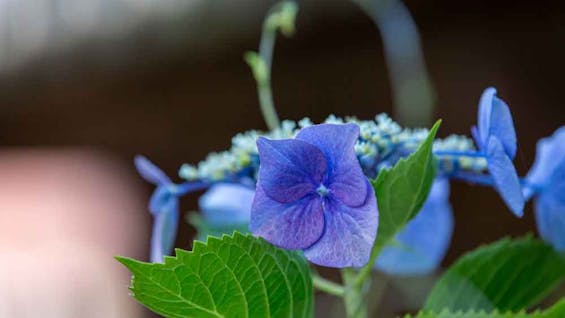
413, 92
354, 296
365, 272
327, 286
280, 17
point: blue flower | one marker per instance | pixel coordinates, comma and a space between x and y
312, 195
164, 206
496, 138
225, 207
421, 246
546, 180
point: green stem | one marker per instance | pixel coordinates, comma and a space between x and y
354, 296
413, 92
280, 17
266, 48
366, 270
267, 105
327, 286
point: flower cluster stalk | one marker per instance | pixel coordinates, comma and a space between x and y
280, 17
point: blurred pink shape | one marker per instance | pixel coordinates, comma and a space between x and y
64, 214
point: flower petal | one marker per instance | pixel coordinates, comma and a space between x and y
483, 120
550, 153
505, 177
502, 126
550, 211
150, 172
227, 203
424, 241
160, 199
295, 225
164, 231
290, 169
345, 177
349, 233
495, 120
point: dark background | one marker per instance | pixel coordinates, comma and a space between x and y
179, 99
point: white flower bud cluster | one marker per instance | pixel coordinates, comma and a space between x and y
379, 139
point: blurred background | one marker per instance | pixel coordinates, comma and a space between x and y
87, 84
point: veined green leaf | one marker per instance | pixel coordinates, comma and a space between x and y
235, 276
402, 190
508, 275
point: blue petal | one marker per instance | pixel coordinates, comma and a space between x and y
502, 127
483, 120
550, 214
187, 187
290, 169
161, 199
349, 233
550, 153
424, 241
495, 120
345, 177
505, 177
150, 172
227, 204
164, 231
295, 225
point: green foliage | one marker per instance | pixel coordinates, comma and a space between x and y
557, 311
235, 276
401, 191
508, 275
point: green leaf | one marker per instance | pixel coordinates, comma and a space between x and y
508, 275
235, 276
556, 311
402, 190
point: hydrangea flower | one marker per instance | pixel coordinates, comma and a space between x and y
381, 141
164, 206
496, 138
546, 181
227, 203
225, 207
312, 195
422, 244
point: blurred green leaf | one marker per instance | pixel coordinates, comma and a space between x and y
508, 275
556, 311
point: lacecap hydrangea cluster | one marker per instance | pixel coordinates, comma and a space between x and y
234, 199
380, 144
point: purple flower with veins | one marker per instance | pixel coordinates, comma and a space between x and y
496, 138
312, 195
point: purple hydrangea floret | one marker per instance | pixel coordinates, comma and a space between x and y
312, 195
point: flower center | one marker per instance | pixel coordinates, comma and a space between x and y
322, 190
